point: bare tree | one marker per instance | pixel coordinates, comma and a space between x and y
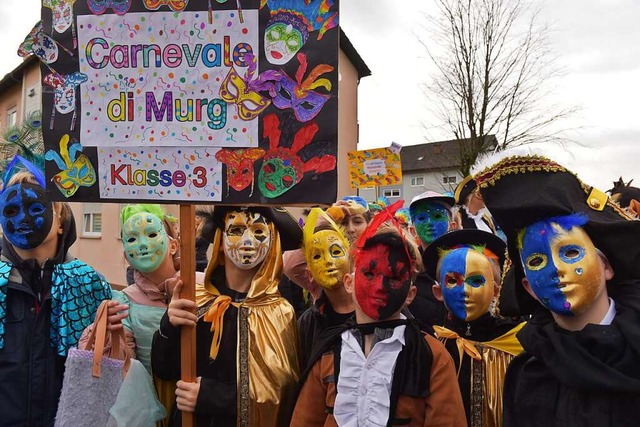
494, 67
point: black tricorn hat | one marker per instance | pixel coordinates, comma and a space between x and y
522, 190
456, 238
464, 188
288, 228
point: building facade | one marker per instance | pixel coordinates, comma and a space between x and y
432, 166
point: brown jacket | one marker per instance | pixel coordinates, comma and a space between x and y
443, 406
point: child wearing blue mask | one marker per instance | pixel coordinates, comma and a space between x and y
47, 297
575, 256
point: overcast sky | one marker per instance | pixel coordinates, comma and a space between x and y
596, 41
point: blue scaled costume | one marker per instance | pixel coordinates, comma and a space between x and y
76, 289
43, 311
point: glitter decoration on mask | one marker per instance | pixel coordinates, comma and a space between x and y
246, 238
431, 220
145, 241
561, 264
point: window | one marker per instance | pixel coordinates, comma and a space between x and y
449, 179
417, 181
391, 193
92, 220
12, 116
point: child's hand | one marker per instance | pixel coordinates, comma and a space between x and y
115, 313
181, 311
187, 395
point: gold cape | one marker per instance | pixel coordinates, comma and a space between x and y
489, 361
267, 351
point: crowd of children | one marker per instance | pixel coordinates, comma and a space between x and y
513, 302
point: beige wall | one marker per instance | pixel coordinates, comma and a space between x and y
16, 96
105, 253
347, 120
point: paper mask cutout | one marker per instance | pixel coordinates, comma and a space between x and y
290, 24
76, 169
243, 91
240, 166
239, 8
119, 7
175, 5
62, 17
64, 93
282, 167
298, 95
39, 44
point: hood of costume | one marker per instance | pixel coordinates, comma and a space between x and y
267, 357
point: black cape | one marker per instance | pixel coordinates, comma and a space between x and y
585, 378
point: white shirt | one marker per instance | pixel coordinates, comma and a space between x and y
611, 313
364, 385
478, 219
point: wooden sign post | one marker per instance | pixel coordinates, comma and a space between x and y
188, 277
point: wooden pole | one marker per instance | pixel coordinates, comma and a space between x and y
188, 277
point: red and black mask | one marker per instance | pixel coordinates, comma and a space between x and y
382, 281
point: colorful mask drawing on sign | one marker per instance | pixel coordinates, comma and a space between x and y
64, 93
243, 91
175, 5
119, 7
282, 167
39, 44
240, 166
298, 94
290, 24
76, 169
240, 16
62, 17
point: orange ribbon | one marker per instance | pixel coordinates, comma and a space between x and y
215, 315
464, 345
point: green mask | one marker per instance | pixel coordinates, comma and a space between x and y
276, 177
145, 241
281, 43
431, 220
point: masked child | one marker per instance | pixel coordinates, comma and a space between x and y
246, 336
467, 264
47, 297
326, 251
431, 217
575, 257
381, 370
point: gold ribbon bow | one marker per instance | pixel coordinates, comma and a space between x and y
464, 345
215, 316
